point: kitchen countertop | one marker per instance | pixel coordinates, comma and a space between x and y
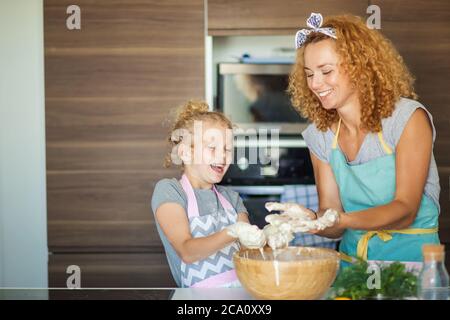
211, 294
125, 294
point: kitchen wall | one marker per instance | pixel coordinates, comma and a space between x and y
110, 87
23, 234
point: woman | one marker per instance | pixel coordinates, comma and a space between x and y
370, 142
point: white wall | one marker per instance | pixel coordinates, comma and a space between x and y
23, 234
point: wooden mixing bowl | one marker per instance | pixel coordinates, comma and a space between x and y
297, 273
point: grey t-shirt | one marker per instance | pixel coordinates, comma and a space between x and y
170, 190
320, 143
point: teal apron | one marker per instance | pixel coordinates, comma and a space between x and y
372, 184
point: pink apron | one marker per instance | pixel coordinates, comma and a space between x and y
216, 270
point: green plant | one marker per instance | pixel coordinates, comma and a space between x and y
395, 282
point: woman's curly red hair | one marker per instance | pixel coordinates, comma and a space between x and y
374, 68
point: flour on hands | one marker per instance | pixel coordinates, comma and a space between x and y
281, 227
249, 235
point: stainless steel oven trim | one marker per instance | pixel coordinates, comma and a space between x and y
282, 128
254, 143
258, 190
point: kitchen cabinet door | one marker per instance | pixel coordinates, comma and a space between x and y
421, 32
109, 87
266, 17
103, 270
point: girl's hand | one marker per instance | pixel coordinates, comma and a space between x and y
249, 235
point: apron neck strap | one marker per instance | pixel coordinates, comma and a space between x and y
192, 201
337, 134
386, 148
224, 202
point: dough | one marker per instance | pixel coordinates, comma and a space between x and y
278, 236
292, 210
281, 227
249, 235
293, 219
299, 219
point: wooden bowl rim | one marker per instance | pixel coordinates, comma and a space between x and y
334, 256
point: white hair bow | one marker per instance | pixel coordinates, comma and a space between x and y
314, 22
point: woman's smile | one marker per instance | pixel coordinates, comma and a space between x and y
324, 94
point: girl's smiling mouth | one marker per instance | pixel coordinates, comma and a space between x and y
218, 168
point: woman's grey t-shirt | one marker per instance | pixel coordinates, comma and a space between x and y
171, 191
320, 143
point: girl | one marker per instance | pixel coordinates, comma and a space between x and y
193, 214
371, 142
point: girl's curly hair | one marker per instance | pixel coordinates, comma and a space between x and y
184, 120
371, 62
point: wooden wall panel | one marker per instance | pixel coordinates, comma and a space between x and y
444, 201
125, 75
97, 211
252, 17
421, 32
143, 270
109, 89
149, 25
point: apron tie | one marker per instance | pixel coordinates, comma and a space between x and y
385, 235
363, 243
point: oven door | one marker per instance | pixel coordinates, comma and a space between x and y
274, 163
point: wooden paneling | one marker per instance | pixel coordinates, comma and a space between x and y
420, 30
103, 270
125, 75
109, 89
149, 25
235, 17
101, 210
101, 112
444, 219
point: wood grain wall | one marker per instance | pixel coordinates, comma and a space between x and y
420, 30
109, 88
266, 17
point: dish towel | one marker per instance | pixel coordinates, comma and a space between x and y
306, 195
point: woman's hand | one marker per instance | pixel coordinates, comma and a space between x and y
301, 219
293, 210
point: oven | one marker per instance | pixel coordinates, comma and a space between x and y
254, 96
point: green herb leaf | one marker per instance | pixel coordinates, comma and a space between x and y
395, 282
